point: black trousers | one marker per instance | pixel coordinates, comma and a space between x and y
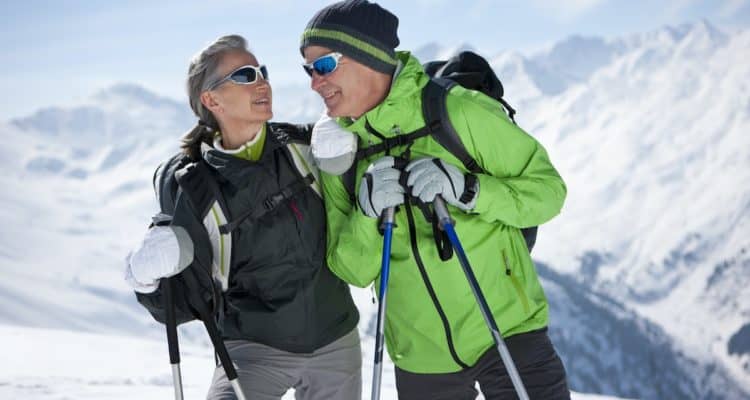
540, 368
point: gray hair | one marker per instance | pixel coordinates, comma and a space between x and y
202, 73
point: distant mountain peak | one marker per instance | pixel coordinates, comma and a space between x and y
130, 93
704, 28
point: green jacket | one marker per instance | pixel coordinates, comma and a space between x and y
445, 333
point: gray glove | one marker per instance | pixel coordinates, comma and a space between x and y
380, 188
429, 177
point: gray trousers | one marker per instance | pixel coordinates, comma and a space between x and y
332, 372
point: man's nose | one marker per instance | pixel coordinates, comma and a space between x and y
262, 84
316, 80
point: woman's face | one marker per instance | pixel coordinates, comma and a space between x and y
237, 103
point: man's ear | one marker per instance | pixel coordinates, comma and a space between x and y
209, 101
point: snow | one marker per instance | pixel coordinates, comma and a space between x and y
55, 364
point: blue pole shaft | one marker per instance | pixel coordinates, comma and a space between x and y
446, 222
388, 217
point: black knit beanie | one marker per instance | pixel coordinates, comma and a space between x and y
357, 29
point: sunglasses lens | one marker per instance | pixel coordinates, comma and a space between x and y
264, 72
324, 65
244, 75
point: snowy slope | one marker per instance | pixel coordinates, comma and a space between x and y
49, 364
649, 136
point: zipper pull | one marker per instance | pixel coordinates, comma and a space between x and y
507, 264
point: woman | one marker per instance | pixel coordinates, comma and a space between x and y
287, 321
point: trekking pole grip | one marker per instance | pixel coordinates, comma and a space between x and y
388, 216
441, 210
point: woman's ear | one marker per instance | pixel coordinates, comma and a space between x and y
208, 99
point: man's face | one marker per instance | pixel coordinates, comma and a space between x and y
351, 89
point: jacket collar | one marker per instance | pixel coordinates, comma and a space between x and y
234, 169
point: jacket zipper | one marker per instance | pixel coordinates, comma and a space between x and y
516, 284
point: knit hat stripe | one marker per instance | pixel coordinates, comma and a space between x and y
351, 41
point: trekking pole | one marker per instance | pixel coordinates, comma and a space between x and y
206, 316
174, 347
446, 222
387, 225
193, 295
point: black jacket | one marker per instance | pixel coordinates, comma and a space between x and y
280, 291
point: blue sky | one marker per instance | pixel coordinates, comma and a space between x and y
61, 52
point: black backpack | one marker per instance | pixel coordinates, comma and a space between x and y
187, 191
469, 70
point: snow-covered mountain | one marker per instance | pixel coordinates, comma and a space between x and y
647, 268
651, 139
654, 149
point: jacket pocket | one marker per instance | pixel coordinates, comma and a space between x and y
516, 284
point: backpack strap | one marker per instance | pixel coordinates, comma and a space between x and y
198, 184
435, 113
201, 189
270, 203
388, 143
165, 186
349, 180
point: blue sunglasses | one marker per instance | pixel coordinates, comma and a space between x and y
323, 65
244, 75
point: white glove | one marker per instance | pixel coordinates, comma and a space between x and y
380, 187
429, 177
333, 147
164, 252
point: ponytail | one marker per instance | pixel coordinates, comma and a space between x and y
202, 132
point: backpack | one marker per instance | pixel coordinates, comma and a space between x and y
189, 196
180, 187
469, 70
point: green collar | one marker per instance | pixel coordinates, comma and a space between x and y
399, 106
250, 151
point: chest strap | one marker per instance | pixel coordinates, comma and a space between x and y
270, 203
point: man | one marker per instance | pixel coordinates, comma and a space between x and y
435, 333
